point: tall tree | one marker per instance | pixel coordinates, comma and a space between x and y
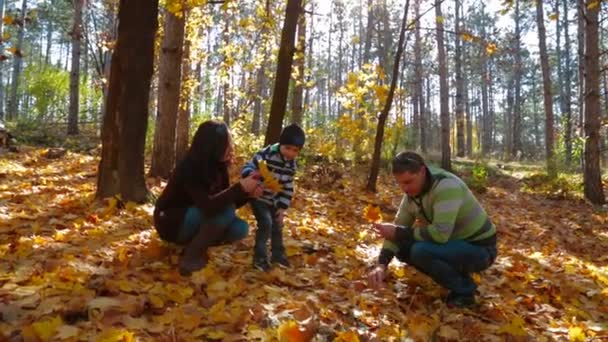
418, 87
547, 96
460, 142
75, 73
13, 102
567, 87
373, 175
2, 5
260, 80
169, 85
446, 158
182, 128
517, 74
594, 191
121, 169
300, 80
581, 64
283, 74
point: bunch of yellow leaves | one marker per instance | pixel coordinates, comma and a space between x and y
372, 214
270, 182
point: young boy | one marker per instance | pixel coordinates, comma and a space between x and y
269, 209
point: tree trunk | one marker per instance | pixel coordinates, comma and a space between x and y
568, 89
75, 73
418, 86
446, 160
368, 31
594, 191
283, 74
121, 169
169, 85
226, 70
460, 143
49, 38
548, 99
375, 169
13, 102
517, 108
581, 66
298, 89
182, 131
2, 5
261, 76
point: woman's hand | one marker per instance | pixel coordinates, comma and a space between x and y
250, 183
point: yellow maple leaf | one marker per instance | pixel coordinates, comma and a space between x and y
553, 16
8, 20
593, 5
269, 181
467, 37
45, 329
116, 335
576, 334
491, 48
372, 214
516, 327
347, 336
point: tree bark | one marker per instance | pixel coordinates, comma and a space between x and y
446, 159
261, 75
375, 169
567, 89
182, 129
169, 85
121, 169
75, 72
517, 108
298, 89
283, 74
593, 187
460, 142
2, 6
13, 103
581, 66
548, 99
418, 87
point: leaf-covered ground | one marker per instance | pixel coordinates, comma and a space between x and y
75, 269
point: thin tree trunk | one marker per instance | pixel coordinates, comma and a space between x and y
548, 99
375, 169
446, 159
460, 124
418, 87
121, 169
261, 75
517, 108
581, 66
227, 99
283, 74
13, 103
593, 187
568, 90
185, 95
169, 85
2, 5
75, 73
368, 31
298, 89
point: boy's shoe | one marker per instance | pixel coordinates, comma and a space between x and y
261, 264
460, 301
281, 260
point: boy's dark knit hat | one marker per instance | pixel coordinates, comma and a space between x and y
292, 135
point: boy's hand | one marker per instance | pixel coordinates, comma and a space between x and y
386, 230
279, 216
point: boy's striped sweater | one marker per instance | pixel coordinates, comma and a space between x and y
283, 170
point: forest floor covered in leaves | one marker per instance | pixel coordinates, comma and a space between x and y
72, 268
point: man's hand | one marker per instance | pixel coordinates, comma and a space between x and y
375, 278
386, 230
279, 216
257, 192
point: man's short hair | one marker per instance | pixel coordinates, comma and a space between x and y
407, 162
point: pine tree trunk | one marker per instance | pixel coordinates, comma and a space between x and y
375, 168
581, 66
121, 169
568, 90
418, 86
548, 99
13, 102
299, 61
182, 130
169, 85
593, 187
446, 159
2, 5
517, 108
261, 76
283, 74
75, 73
460, 124
368, 32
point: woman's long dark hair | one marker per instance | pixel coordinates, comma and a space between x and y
204, 164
